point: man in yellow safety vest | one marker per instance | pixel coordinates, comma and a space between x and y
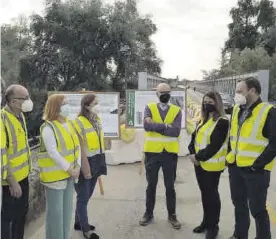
3, 155
16, 186
251, 156
162, 123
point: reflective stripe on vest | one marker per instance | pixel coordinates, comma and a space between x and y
4, 159
157, 143
171, 139
49, 170
247, 141
217, 162
90, 137
18, 152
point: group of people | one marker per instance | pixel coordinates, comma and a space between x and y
71, 155
246, 144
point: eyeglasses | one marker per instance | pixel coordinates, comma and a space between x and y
18, 98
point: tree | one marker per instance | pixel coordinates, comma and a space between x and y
242, 31
251, 60
15, 44
269, 41
251, 44
211, 75
251, 22
266, 16
77, 45
135, 31
71, 47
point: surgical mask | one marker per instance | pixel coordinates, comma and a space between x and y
240, 99
64, 110
209, 108
95, 109
164, 98
27, 105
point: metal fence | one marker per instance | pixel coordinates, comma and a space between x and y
228, 84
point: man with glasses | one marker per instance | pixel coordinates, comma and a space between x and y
16, 185
162, 123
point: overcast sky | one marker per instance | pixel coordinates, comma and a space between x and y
190, 33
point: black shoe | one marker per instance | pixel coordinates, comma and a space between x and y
91, 236
77, 227
173, 220
211, 233
147, 219
199, 229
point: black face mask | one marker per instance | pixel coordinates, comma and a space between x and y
209, 108
165, 98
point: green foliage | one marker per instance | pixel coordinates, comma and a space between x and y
252, 60
211, 75
252, 42
75, 45
15, 44
250, 21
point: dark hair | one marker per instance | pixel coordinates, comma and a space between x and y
218, 105
86, 101
251, 83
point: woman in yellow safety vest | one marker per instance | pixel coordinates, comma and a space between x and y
59, 162
89, 128
208, 149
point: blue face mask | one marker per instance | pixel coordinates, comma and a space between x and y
65, 110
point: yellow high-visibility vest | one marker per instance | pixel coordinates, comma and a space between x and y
18, 151
4, 159
67, 145
203, 138
247, 142
93, 145
155, 142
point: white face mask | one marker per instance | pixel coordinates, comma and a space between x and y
27, 105
95, 109
240, 99
64, 110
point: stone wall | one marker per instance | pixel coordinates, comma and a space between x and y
37, 193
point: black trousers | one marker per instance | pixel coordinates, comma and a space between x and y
249, 191
208, 183
14, 211
168, 163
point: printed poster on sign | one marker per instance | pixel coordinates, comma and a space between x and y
108, 110
137, 101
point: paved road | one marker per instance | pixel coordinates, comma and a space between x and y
116, 214
196, 96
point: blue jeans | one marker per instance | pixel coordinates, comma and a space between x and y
85, 188
59, 209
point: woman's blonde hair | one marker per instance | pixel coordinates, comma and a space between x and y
219, 112
52, 107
